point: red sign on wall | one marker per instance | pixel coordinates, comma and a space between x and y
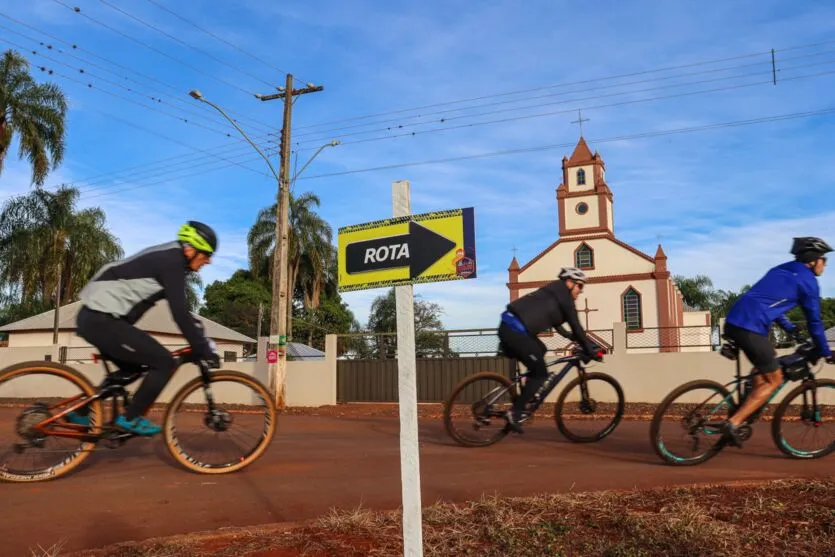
272, 356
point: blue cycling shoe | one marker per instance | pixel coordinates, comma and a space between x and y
138, 426
78, 419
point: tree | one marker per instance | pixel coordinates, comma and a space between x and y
33, 112
193, 283
331, 316
309, 247
428, 326
697, 291
234, 302
42, 236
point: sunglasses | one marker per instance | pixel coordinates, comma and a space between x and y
580, 285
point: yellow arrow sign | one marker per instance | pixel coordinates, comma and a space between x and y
429, 247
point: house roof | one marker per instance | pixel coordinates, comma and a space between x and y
299, 350
156, 320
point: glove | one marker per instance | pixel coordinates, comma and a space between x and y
592, 352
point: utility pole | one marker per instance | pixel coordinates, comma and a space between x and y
260, 319
281, 295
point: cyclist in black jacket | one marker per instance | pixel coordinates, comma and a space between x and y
117, 297
546, 308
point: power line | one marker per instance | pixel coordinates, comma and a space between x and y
565, 84
86, 73
569, 110
736, 123
539, 105
221, 39
145, 77
149, 47
643, 135
435, 130
173, 38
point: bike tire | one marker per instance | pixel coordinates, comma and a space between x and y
192, 464
606, 431
655, 438
450, 429
83, 452
777, 423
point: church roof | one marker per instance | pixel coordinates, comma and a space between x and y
582, 154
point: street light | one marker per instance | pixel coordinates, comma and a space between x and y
333, 143
194, 93
277, 371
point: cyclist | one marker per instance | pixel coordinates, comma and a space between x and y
117, 297
550, 306
782, 288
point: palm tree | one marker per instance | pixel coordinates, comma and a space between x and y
193, 283
43, 238
697, 292
35, 112
309, 247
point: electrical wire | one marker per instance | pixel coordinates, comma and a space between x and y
154, 49
175, 39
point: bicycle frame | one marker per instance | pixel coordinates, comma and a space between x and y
551, 381
742, 396
110, 388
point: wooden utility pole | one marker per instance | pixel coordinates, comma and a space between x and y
281, 295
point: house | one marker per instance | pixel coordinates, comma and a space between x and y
625, 284
38, 331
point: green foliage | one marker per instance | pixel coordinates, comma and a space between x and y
234, 303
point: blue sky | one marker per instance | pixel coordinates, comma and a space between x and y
724, 202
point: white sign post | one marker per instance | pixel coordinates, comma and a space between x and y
407, 396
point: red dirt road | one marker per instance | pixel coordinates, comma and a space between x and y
316, 463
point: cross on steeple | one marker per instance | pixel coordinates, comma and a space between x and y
514, 251
580, 121
586, 311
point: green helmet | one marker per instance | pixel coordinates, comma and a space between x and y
199, 236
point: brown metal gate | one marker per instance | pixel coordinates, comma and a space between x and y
376, 380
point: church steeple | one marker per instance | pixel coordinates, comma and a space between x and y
584, 199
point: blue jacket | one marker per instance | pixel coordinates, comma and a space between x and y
782, 288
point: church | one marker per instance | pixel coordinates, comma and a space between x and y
625, 285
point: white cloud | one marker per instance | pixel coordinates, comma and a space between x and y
733, 256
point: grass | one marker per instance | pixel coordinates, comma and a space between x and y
785, 517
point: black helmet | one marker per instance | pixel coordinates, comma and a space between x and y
198, 235
809, 248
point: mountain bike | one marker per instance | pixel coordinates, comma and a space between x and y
44, 419
705, 413
480, 396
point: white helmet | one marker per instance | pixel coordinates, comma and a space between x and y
572, 273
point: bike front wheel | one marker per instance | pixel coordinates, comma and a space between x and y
690, 410
474, 412
214, 440
810, 410
589, 408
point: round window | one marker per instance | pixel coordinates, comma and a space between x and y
582, 208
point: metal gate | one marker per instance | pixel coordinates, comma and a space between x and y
376, 380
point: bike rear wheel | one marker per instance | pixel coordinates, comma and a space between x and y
588, 408
476, 404
797, 412
239, 400
42, 447
690, 413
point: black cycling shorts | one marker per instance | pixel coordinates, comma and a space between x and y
757, 348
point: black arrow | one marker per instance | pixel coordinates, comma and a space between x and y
418, 250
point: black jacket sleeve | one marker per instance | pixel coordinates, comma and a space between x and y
173, 280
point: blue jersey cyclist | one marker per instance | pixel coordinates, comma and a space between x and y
749, 320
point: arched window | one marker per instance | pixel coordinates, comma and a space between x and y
584, 257
581, 177
632, 309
